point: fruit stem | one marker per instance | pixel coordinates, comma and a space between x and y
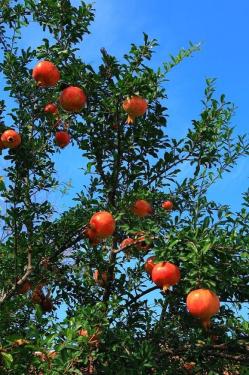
130, 119
166, 288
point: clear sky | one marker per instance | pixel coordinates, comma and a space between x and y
223, 29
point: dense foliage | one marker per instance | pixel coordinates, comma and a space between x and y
132, 326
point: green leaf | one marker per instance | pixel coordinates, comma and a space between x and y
7, 358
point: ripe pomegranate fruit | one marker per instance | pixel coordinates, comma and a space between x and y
46, 74
167, 205
142, 208
62, 139
149, 265
91, 235
72, 99
103, 224
11, 139
165, 274
203, 304
135, 106
51, 108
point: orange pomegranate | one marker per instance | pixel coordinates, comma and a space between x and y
165, 274
135, 106
142, 208
203, 304
11, 139
149, 265
167, 205
62, 138
46, 74
51, 108
103, 224
72, 99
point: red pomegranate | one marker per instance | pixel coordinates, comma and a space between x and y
142, 208
203, 304
149, 265
11, 139
135, 106
165, 274
103, 224
72, 99
167, 205
51, 108
46, 74
62, 139
91, 235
